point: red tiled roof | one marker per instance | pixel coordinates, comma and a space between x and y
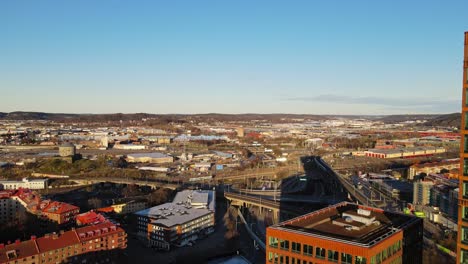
6, 194
53, 242
59, 208
22, 250
57, 241
436, 164
91, 232
90, 218
106, 209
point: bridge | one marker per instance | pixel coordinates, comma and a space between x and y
256, 173
296, 195
365, 194
325, 187
150, 183
280, 210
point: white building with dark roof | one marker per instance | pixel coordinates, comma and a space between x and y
152, 157
190, 216
33, 184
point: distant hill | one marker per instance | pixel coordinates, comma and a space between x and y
449, 120
433, 120
61, 117
403, 118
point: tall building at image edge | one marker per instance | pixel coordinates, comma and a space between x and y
462, 241
346, 233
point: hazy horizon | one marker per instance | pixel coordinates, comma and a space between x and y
219, 113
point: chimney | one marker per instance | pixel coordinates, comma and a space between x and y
17, 241
2, 246
47, 235
33, 237
62, 232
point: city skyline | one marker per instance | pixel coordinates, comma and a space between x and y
205, 57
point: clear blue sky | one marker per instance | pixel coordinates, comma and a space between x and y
311, 57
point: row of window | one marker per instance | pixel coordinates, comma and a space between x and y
308, 250
386, 253
332, 256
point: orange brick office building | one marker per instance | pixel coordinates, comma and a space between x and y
462, 242
346, 233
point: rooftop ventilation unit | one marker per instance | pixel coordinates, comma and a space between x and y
364, 212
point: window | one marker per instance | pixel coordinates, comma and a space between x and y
384, 255
378, 258
465, 149
276, 259
465, 167
273, 242
284, 244
333, 255
396, 247
360, 260
465, 213
270, 256
320, 253
464, 234
466, 121
465, 188
463, 256
346, 258
308, 250
296, 247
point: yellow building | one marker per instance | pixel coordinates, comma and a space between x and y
129, 207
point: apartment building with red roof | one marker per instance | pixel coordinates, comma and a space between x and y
86, 244
59, 212
90, 218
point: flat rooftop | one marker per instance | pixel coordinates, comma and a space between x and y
349, 223
187, 205
153, 155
